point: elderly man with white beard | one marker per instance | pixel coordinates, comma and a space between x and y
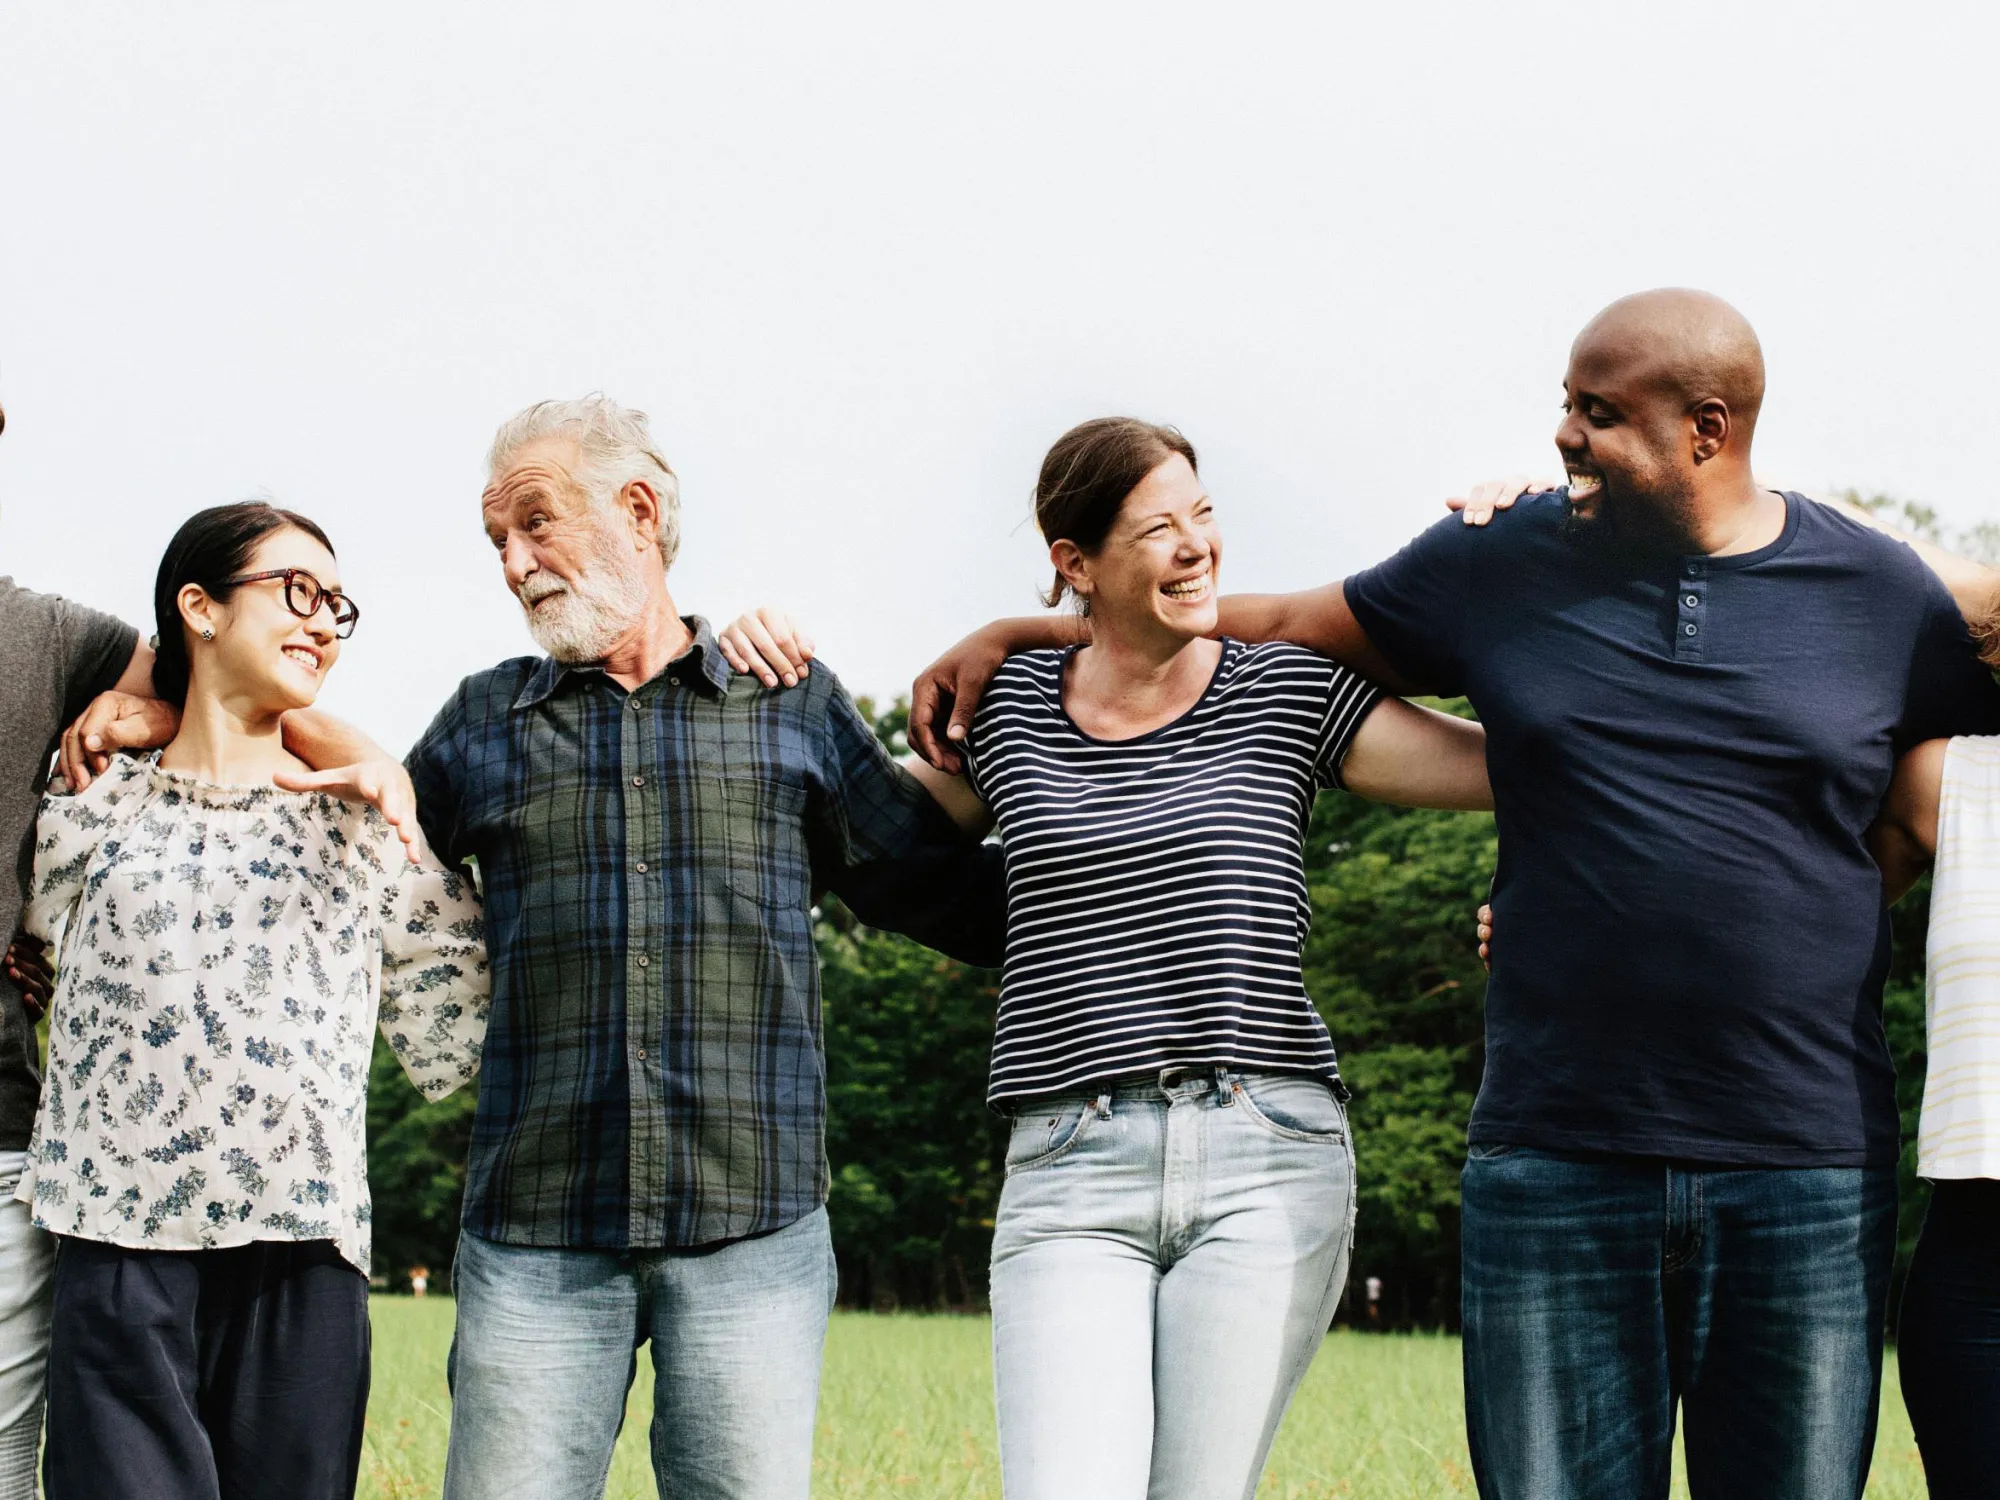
647, 1159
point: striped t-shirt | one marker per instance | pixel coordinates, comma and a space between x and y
1959, 1135
1156, 894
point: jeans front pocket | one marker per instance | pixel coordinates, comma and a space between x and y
1294, 1106
1045, 1131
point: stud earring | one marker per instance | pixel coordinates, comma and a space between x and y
207, 634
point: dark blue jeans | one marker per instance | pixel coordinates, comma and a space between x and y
1950, 1341
1601, 1292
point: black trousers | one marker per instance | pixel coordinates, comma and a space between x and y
1949, 1347
238, 1374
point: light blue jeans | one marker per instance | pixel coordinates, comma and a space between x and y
547, 1345
27, 1266
1166, 1259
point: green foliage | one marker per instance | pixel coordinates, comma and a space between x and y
1392, 963
416, 1171
916, 1154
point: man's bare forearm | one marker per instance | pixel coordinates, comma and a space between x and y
324, 742
1040, 632
1318, 619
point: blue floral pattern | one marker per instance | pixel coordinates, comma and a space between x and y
225, 955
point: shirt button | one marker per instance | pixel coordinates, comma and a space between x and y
1694, 600
635, 705
1688, 629
641, 781
641, 866
1694, 570
642, 1053
643, 960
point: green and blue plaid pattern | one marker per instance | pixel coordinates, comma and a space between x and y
653, 1074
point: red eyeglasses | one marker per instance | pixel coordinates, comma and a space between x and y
304, 594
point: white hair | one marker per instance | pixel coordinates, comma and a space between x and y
614, 447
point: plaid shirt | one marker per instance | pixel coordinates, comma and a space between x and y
653, 1074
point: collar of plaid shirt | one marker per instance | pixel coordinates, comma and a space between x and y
653, 1074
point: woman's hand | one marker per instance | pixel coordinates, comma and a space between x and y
114, 721
383, 784
1477, 508
28, 966
946, 692
768, 644
1485, 930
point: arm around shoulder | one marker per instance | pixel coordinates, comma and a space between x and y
1418, 757
1904, 836
1320, 619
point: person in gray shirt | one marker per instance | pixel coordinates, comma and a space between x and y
55, 657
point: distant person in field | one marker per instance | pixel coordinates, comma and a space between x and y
1174, 1232
1680, 1190
228, 930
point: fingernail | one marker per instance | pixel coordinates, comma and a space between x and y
790, 680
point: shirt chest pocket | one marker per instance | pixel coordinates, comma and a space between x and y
762, 842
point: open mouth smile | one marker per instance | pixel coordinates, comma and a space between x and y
305, 656
1189, 590
1583, 485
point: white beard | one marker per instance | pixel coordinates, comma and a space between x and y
584, 616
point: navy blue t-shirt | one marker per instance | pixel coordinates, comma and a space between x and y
1685, 754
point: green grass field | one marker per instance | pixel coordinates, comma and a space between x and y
906, 1410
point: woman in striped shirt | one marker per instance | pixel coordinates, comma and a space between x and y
1945, 805
1173, 1236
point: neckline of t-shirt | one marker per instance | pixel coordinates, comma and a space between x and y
1229, 646
1764, 553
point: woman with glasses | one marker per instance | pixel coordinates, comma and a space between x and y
227, 948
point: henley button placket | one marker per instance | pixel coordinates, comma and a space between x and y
1691, 595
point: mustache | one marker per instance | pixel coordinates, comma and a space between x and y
534, 590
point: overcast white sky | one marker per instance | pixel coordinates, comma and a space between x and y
863, 263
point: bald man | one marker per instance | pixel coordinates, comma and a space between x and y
1680, 1187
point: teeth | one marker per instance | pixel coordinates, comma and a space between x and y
304, 658
1187, 588
1580, 484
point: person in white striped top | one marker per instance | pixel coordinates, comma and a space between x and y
1174, 1231
1943, 809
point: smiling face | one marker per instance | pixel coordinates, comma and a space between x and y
1624, 441
1156, 571
574, 569
263, 653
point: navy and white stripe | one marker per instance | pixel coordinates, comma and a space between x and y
1156, 894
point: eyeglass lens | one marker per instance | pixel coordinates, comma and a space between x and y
303, 596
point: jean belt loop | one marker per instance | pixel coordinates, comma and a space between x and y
1103, 1105
1225, 1086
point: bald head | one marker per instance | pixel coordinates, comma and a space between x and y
1689, 345
1662, 395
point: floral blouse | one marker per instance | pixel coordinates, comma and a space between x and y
211, 1029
